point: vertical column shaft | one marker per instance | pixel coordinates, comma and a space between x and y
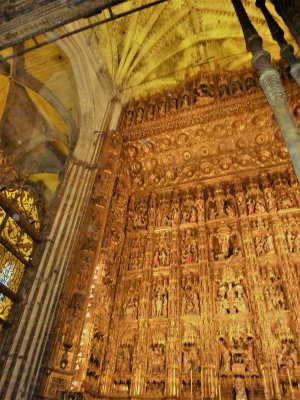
286, 50
290, 13
269, 80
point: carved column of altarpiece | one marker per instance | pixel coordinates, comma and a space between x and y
186, 282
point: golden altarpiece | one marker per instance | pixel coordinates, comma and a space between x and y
186, 281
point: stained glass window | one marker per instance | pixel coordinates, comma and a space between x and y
6, 277
11, 269
5, 306
14, 236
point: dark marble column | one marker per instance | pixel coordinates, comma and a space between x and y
286, 50
289, 10
269, 80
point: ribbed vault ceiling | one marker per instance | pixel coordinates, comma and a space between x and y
154, 49
38, 115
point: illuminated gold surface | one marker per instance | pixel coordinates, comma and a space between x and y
196, 274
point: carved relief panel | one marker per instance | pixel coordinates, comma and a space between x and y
137, 252
190, 297
189, 253
224, 241
273, 288
237, 353
162, 249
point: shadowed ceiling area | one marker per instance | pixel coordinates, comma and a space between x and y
38, 115
156, 48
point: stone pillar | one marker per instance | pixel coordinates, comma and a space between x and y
269, 80
290, 13
286, 50
20, 374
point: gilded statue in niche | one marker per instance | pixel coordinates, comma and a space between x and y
240, 389
140, 113
160, 298
157, 353
186, 386
273, 289
124, 359
188, 208
162, 107
224, 241
231, 297
288, 356
254, 198
155, 387
189, 246
190, 356
271, 199
220, 204
157, 359
185, 100
285, 194
129, 308
137, 253
161, 256
93, 370
264, 244
190, 295
286, 347
121, 386
173, 104
151, 111
138, 213
237, 352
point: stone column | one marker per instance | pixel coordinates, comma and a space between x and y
286, 50
269, 80
19, 378
290, 13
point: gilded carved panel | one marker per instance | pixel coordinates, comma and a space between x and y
198, 291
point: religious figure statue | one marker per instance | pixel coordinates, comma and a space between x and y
175, 216
173, 105
240, 389
156, 259
297, 197
157, 361
225, 357
259, 206
297, 242
212, 212
231, 298
162, 108
158, 305
160, 299
251, 205
185, 101
150, 113
288, 357
124, 359
193, 215
140, 115
271, 201
129, 117
230, 211
241, 203
130, 307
